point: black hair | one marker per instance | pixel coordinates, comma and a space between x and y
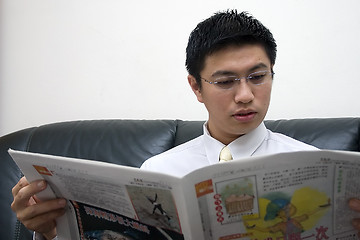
224, 29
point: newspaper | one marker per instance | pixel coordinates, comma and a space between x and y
299, 195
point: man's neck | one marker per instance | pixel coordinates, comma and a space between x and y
223, 138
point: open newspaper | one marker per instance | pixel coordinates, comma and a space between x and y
299, 195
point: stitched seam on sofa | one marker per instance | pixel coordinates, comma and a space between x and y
17, 230
176, 132
30, 139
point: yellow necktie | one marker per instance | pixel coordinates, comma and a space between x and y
225, 155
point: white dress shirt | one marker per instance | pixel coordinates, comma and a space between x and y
204, 150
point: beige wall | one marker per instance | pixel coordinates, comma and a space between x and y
91, 59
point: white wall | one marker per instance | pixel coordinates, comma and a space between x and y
98, 59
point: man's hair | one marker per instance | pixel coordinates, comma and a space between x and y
224, 29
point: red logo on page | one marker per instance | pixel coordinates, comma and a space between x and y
42, 170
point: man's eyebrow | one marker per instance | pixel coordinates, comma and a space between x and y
222, 73
258, 66
226, 72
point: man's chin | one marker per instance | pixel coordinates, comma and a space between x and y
243, 128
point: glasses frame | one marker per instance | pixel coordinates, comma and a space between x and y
247, 79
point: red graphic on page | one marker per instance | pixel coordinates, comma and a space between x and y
42, 170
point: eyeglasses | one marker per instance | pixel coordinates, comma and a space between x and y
255, 78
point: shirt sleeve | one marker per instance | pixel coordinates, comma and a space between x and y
38, 236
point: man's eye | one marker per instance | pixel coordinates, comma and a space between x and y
225, 83
225, 80
257, 78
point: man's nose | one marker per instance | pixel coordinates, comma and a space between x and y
243, 92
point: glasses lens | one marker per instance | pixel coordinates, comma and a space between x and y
225, 82
258, 78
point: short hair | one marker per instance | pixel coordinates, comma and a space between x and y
224, 29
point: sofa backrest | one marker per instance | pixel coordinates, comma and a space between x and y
130, 142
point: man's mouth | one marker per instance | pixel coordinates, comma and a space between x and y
244, 116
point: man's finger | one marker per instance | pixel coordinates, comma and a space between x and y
45, 222
22, 183
354, 204
43, 209
24, 192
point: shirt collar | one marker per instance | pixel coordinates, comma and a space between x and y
244, 146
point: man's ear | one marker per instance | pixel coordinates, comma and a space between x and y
195, 87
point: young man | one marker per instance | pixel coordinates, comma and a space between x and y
230, 60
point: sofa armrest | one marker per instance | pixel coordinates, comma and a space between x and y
10, 174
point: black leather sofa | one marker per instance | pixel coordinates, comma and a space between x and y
130, 142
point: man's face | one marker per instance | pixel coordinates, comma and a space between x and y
237, 111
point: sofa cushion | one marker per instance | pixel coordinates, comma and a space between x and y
327, 133
130, 142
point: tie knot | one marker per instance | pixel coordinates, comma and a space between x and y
225, 154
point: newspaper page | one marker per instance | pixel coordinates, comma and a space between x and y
300, 195
109, 201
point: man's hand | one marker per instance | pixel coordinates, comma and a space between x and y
34, 214
354, 204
